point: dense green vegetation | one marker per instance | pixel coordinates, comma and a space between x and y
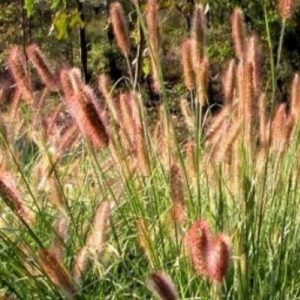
149, 149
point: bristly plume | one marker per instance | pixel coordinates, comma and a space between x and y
201, 81
57, 273
126, 119
177, 194
61, 230
42, 66
67, 139
263, 120
12, 197
198, 242
229, 83
253, 56
295, 98
120, 27
17, 66
80, 264
160, 284
190, 150
222, 150
286, 8
143, 235
219, 258
95, 241
238, 31
84, 109
198, 36
187, 65
152, 22
65, 82
282, 126
187, 114
97, 236
105, 88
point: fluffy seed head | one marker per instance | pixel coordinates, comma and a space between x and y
198, 241
84, 109
219, 258
186, 62
177, 194
282, 126
201, 80
253, 56
57, 273
162, 285
286, 8
120, 27
295, 97
42, 66
97, 236
198, 35
12, 196
238, 31
17, 66
229, 83
152, 21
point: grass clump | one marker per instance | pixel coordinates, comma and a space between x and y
202, 203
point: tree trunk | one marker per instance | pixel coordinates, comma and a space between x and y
83, 44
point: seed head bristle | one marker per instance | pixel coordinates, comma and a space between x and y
17, 66
191, 168
229, 83
120, 27
282, 126
65, 82
201, 81
67, 139
57, 273
42, 67
126, 119
295, 98
286, 8
144, 238
198, 36
177, 194
162, 286
222, 152
80, 264
15, 103
198, 241
187, 114
238, 31
97, 236
105, 89
219, 258
12, 197
84, 109
187, 66
253, 56
152, 22
263, 119
61, 230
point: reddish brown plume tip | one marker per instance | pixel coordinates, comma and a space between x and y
120, 27
238, 31
17, 66
219, 258
198, 241
42, 66
286, 8
162, 286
